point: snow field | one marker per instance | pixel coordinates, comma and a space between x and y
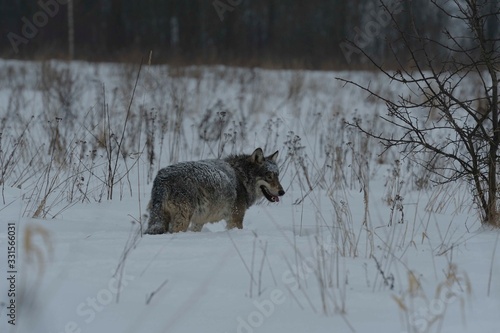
358, 243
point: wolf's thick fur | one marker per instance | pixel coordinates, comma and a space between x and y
211, 190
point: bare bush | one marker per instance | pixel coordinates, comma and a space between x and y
437, 117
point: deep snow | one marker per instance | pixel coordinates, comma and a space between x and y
292, 268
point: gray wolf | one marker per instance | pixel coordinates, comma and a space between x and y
207, 191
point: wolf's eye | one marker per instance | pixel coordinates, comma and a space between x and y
269, 176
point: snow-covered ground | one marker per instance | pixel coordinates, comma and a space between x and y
359, 243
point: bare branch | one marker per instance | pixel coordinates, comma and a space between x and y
437, 116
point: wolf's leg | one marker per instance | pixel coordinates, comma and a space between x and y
236, 219
180, 220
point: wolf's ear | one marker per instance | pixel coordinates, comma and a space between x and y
257, 156
273, 157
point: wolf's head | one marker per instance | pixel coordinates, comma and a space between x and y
267, 183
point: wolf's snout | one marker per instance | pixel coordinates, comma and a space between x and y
281, 193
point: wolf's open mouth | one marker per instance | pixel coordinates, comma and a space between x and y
268, 195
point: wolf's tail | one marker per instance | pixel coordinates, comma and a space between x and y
158, 219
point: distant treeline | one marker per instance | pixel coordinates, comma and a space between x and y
281, 32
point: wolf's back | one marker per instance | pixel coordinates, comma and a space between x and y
184, 181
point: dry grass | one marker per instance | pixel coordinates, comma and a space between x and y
100, 136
